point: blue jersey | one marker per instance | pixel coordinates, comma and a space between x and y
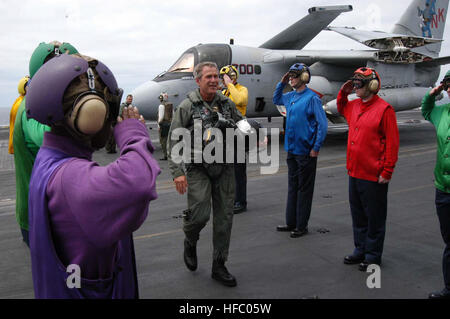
306, 122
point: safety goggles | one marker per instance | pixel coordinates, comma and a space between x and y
294, 75
358, 83
446, 84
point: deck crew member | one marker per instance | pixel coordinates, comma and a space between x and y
239, 95
22, 88
306, 129
83, 214
28, 134
372, 152
165, 115
439, 116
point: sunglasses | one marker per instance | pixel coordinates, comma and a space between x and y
446, 84
294, 75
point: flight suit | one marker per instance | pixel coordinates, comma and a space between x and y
27, 139
165, 114
206, 182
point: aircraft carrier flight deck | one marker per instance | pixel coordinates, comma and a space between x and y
269, 264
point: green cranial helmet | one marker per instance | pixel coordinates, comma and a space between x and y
45, 51
446, 81
447, 76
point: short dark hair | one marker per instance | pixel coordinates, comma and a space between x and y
129, 96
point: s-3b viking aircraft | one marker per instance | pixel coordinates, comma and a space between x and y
407, 60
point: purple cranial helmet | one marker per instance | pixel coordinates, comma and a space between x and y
46, 91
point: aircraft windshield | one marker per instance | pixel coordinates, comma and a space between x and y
184, 64
183, 68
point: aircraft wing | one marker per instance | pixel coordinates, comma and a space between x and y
382, 40
300, 33
350, 58
436, 62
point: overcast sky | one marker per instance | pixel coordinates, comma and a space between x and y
138, 39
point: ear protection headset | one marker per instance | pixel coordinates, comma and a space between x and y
303, 70
90, 110
74, 91
304, 77
371, 76
88, 114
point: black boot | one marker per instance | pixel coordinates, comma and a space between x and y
221, 274
239, 208
443, 294
190, 255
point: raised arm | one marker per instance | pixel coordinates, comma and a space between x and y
429, 110
87, 189
342, 98
278, 94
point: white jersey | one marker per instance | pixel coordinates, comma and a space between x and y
161, 110
160, 113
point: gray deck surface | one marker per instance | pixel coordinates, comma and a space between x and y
266, 263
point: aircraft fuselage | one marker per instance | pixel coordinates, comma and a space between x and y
261, 69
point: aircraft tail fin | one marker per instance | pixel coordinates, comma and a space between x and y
303, 31
425, 18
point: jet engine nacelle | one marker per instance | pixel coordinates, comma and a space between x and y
327, 89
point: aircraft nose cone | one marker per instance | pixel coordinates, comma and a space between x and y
146, 99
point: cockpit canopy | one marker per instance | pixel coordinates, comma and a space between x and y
184, 66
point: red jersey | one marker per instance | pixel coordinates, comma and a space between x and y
373, 139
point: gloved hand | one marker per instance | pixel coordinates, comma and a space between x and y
347, 87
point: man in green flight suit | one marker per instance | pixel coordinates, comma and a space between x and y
205, 181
